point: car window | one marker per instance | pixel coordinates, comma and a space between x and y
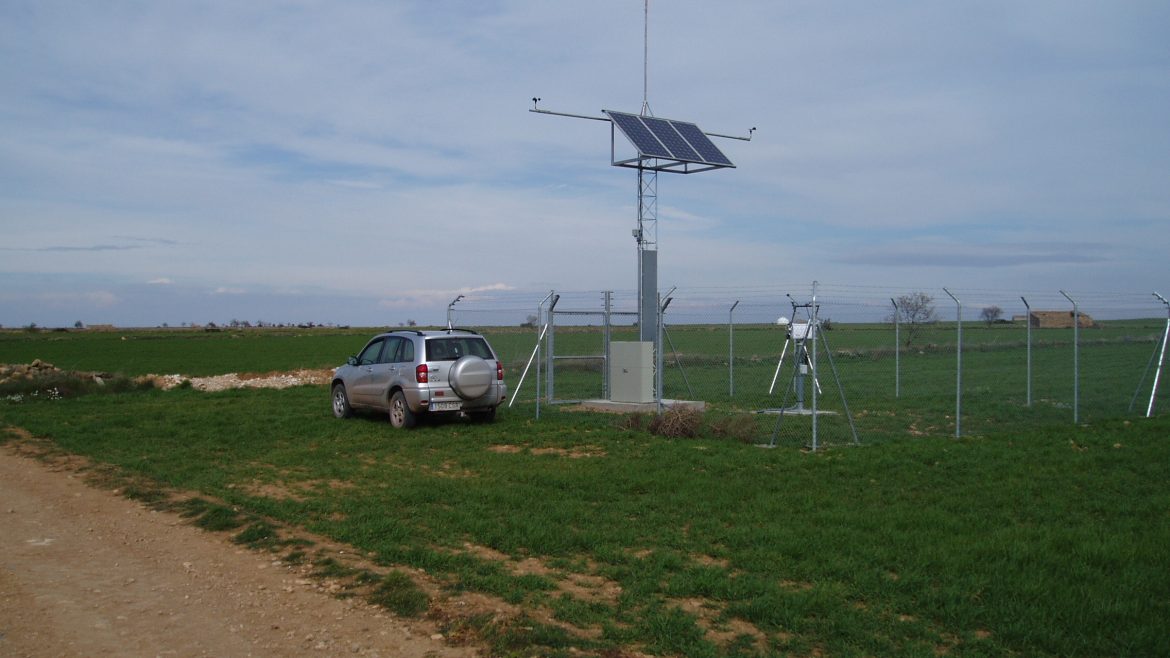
392, 345
369, 356
454, 348
406, 352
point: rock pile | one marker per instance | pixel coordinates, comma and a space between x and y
26, 371
234, 380
39, 369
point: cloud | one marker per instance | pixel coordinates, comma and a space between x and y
225, 290
161, 281
951, 254
416, 298
157, 241
68, 249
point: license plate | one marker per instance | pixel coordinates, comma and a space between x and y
446, 406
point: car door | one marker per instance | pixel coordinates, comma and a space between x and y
361, 392
383, 373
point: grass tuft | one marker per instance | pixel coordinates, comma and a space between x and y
399, 594
259, 534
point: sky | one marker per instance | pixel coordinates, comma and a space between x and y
364, 163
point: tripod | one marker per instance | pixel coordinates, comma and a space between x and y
800, 335
797, 334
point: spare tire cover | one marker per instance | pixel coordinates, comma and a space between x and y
471, 377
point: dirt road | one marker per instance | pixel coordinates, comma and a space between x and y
85, 572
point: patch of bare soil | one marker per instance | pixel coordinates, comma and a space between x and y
85, 572
579, 452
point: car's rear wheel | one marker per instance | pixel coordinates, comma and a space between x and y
401, 417
341, 407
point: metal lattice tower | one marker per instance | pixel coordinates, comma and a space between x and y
646, 236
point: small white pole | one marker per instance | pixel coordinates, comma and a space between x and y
1161, 357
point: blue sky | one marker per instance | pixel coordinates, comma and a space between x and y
364, 162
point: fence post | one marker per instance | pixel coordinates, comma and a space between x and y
958, 366
731, 348
550, 357
1028, 318
897, 352
659, 312
813, 331
605, 383
1076, 358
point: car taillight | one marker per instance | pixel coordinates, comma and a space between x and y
499, 371
420, 373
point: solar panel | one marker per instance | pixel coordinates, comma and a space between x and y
640, 135
666, 139
701, 143
670, 138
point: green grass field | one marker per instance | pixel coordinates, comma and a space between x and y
1032, 537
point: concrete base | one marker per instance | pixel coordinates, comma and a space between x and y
609, 406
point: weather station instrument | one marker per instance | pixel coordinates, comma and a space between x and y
660, 145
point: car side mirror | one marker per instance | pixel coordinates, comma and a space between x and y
351, 361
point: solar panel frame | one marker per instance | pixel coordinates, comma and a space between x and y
676, 146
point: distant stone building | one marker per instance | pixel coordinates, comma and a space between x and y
1054, 320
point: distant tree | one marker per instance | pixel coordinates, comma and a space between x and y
530, 322
915, 312
411, 323
991, 314
78, 325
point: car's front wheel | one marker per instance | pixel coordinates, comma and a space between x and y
341, 408
401, 417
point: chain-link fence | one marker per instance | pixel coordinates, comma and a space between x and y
829, 364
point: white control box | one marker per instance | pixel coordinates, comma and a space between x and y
631, 371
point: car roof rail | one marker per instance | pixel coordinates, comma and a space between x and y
469, 331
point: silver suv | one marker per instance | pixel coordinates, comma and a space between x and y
412, 373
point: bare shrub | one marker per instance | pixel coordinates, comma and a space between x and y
678, 422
